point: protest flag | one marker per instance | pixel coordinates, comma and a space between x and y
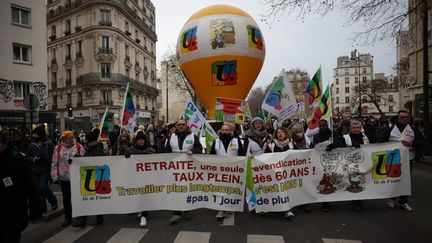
104, 126
128, 113
314, 90
323, 111
250, 193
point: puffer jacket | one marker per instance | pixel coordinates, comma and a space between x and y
60, 160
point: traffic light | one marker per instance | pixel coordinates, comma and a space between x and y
70, 112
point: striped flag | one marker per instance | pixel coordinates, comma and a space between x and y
128, 114
104, 126
314, 90
250, 193
323, 111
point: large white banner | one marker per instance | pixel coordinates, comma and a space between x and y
275, 181
284, 180
116, 185
280, 99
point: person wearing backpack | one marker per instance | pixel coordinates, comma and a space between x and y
64, 152
39, 156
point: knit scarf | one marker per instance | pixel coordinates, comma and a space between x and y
281, 144
257, 136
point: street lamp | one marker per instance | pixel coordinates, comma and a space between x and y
359, 85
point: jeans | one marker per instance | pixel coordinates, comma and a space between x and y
45, 190
67, 202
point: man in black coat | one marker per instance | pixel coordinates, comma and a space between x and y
39, 155
20, 198
323, 135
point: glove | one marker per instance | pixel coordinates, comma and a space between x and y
330, 147
357, 146
127, 156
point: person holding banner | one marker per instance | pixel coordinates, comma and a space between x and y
298, 140
409, 136
122, 145
226, 145
256, 137
140, 146
280, 143
182, 141
62, 158
354, 139
94, 147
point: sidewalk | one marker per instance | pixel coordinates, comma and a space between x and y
427, 160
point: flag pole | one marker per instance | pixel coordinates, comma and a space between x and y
101, 123
124, 105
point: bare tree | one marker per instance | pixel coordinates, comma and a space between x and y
381, 19
255, 99
373, 92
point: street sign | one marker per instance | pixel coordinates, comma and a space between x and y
31, 102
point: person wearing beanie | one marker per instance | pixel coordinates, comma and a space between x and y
93, 148
39, 155
140, 146
256, 137
63, 154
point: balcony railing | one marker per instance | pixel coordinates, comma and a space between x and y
105, 23
105, 50
67, 32
52, 37
122, 3
90, 79
77, 29
106, 102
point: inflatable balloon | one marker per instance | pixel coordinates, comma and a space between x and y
221, 51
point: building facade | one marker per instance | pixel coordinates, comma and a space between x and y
299, 81
415, 57
348, 73
404, 79
95, 48
23, 68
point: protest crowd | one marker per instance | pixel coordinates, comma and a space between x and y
46, 162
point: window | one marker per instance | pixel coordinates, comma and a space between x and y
356, 79
145, 42
364, 79
68, 77
54, 102
363, 70
105, 70
390, 98
21, 53
105, 42
390, 108
67, 26
347, 90
346, 71
105, 16
355, 71
107, 95
337, 81
53, 30
78, 21
53, 80
137, 100
69, 100
126, 26
53, 54
79, 46
337, 100
20, 16
68, 52
337, 90
21, 90
347, 99
127, 50
151, 48
137, 76
136, 34
346, 80
80, 99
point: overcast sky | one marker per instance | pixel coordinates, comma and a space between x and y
290, 44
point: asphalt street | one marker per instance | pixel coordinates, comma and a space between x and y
376, 223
